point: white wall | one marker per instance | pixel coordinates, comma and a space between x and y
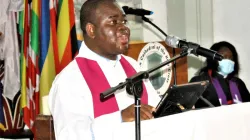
232, 23
189, 19
159, 7
203, 22
199, 29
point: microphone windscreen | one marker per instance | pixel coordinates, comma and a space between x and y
172, 41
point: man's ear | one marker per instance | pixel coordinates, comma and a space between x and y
90, 29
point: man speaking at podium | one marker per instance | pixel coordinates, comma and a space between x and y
74, 98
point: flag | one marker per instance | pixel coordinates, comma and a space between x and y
10, 51
2, 121
10, 80
9, 65
49, 51
29, 62
58, 41
49, 63
66, 32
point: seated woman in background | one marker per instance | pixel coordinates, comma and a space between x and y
225, 85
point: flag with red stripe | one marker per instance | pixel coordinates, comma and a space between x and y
66, 32
29, 62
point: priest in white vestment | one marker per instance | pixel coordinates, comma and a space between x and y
74, 99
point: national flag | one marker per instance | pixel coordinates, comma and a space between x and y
29, 62
66, 32
58, 41
57, 47
9, 49
49, 63
2, 121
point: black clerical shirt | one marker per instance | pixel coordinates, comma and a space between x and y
210, 93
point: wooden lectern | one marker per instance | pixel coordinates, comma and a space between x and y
44, 129
44, 124
181, 64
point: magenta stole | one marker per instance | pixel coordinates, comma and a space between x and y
97, 83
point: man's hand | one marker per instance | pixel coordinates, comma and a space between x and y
128, 114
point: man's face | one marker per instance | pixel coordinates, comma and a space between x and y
111, 31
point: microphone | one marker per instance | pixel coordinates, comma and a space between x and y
196, 49
138, 12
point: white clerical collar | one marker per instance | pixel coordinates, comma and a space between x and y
224, 76
87, 53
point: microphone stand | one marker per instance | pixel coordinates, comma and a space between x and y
174, 63
134, 87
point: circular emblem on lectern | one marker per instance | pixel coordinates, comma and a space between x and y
152, 55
